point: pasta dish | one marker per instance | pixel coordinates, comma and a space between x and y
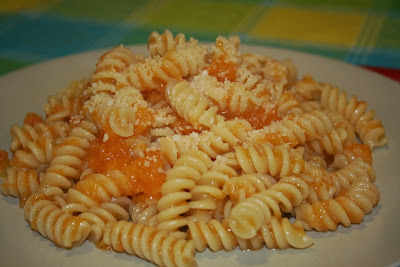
193, 147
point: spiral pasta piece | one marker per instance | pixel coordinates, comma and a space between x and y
22, 135
254, 62
335, 182
121, 120
108, 76
265, 159
180, 180
97, 217
174, 65
307, 89
287, 104
175, 146
340, 121
277, 234
208, 192
63, 113
228, 159
348, 208
331, 143
247, 216
309, 106
149, 243
232, 97
370, 130
234, 132
45, 217
282, 74
97, 188
20, 183
297, 129
160, 44
69, 155
36, 153
213, 234
65, 104
241, 187
194, 108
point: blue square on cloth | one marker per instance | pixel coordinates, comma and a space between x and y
31, 37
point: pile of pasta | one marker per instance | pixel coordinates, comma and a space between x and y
194, 147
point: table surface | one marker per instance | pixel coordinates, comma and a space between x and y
361, 32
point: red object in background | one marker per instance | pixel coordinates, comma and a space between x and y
391, 73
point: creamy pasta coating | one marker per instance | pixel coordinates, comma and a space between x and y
193, 147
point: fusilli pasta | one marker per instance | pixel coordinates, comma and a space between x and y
46, 217
370, 130
160, 44
183, 177
247, 217
68, 157
149, 243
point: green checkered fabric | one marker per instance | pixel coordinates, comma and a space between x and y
364, 32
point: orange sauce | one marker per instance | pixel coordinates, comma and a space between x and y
145, 117
182, 126
221, 67
4, 161
108, 155
32, 119
147, 173
143, 174
153, 97
360, 151
258, 117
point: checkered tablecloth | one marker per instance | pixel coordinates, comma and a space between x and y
363, 32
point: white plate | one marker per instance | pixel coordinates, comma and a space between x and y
375, 242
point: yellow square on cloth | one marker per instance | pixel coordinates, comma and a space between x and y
316, 26
195, 15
